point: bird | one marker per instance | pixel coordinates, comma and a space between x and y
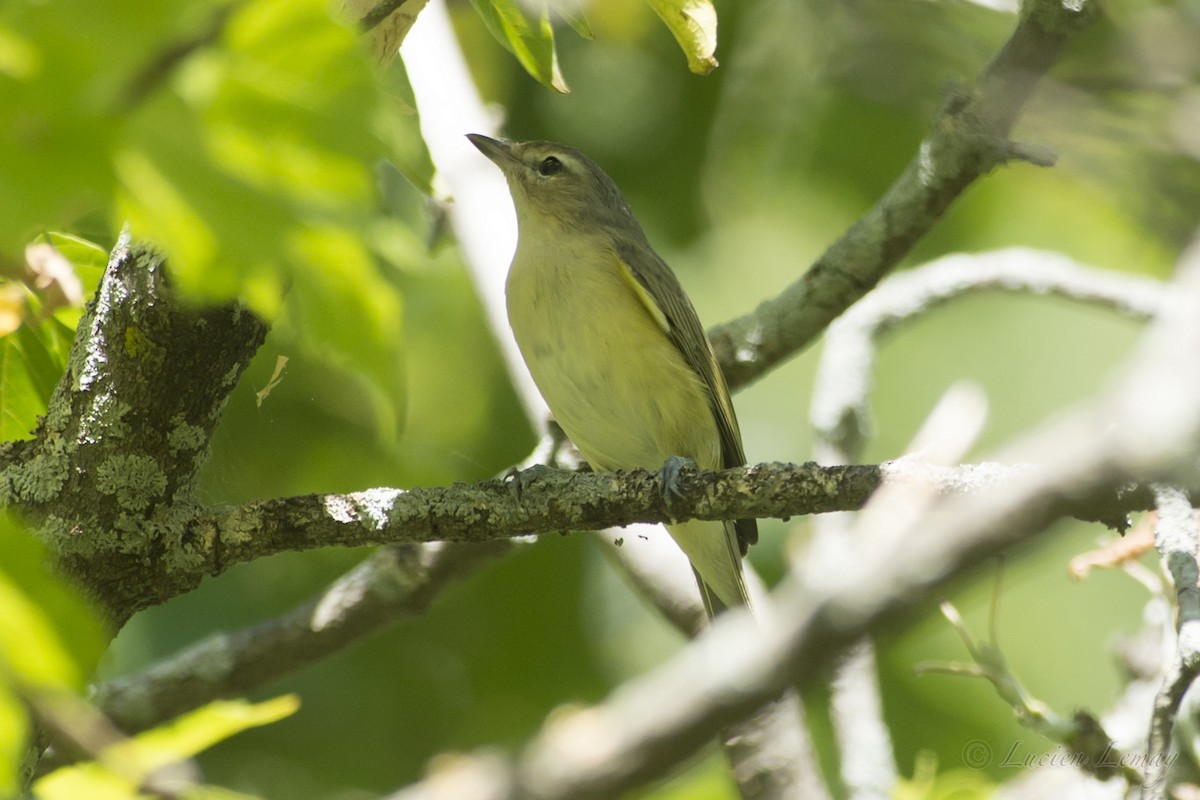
615, 346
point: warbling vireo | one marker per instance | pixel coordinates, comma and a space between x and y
614, 344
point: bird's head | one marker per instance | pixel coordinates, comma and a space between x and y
552, 184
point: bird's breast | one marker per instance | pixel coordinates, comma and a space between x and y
610, 374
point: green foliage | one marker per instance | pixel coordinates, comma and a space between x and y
693, 23
49, 640
402, 131
239, 138
530, 40
34, 356
121, 769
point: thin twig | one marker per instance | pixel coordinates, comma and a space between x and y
844, 377
1176, 538
560, 501
393, 583
653, 722
966, 141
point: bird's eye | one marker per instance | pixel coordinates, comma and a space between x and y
549, 166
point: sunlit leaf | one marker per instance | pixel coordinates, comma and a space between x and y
693, 23
53, 276
48, 634
255, 178
60, 95
344, 305
20, 402
14, 738
19, 59
572, 12
122, 767
43, 353
199, 730
531, 41
12, 307
88, 260
401, 129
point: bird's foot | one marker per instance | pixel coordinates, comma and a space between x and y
668, 480
519, 479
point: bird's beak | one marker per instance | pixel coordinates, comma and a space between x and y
499, 152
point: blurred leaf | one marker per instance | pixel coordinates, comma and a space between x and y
402, 130
232, 136
88, 258
61, 84
52, 276
928, 784
199, 730
348, 310
48, 635
707, 780
14, 739
49, 639
123, 767
532, 42
32, 360
267, 135
12, 307
20, 403
19, 59
44, 356
89, 261
255, 179
693, 23
572, 12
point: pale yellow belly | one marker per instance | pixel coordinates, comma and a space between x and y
612, 378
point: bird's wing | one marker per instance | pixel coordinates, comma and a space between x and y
659, 290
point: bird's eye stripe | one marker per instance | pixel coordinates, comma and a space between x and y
549, 166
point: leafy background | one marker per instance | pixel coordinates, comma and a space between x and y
256, 161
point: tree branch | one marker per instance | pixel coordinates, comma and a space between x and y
394, 582
844, 377
559, 501
1152, 423
111, 473
969, 137
1176, 539
262, 652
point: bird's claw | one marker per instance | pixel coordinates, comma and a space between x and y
668, 479
519, 479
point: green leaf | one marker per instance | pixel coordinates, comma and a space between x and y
401, 129
693, 23
199, 730
231, 136
33, 359
14, 739
43, 356
20, 401
61, 90
49, 640
572, 12
532, 42
122, 768
347, 309
48, 635
255, 177
89, 260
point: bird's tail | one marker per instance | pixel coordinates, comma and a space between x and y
716, 557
